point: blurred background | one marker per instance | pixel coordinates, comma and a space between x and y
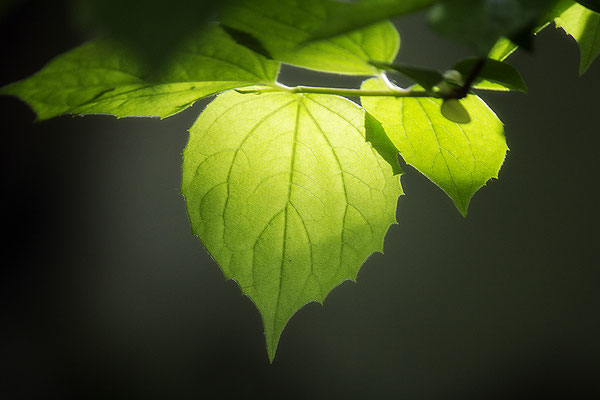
105, 293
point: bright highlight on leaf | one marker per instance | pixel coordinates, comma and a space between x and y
106, 78
459, 158
584, 25
287, 196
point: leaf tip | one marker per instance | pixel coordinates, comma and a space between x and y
272, 341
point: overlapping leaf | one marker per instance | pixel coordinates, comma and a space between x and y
584, 25
105, 77
481, 23
459, 158
287, 196
495, 75
347, 16
287, 30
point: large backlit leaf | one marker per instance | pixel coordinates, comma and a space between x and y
459, 158
286, 29
287, 196
105, 77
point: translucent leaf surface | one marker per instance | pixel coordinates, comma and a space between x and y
584, 25
286, 30
106, 78
459, 158
502, 49
287, 196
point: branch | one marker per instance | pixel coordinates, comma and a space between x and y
399, 92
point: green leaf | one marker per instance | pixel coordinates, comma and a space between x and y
454, 111
459, 158
505, 47
286, 31
427, 78
287, 196
375, 134
481, 23
584, 26
105, 77
343, 17
502, 49
495, 75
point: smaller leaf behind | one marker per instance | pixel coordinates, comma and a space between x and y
105, 77
583, 25
459, 158
425, 77
347, 16
575, 19
503, 48
287, 28
481, 23
454, 111
495, 75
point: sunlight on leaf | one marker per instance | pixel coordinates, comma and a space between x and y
459, 158
584, 26
104, 77
287, 196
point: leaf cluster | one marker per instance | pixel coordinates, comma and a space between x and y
291, 189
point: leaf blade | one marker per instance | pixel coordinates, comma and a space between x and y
427, 78
106, 77
583, 25
495, 75
289, 31
481, 23
287, 196
459, 158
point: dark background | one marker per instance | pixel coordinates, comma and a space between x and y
106, 294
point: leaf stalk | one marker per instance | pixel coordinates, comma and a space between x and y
390, 92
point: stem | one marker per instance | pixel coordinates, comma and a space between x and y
466, 87
341, 91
